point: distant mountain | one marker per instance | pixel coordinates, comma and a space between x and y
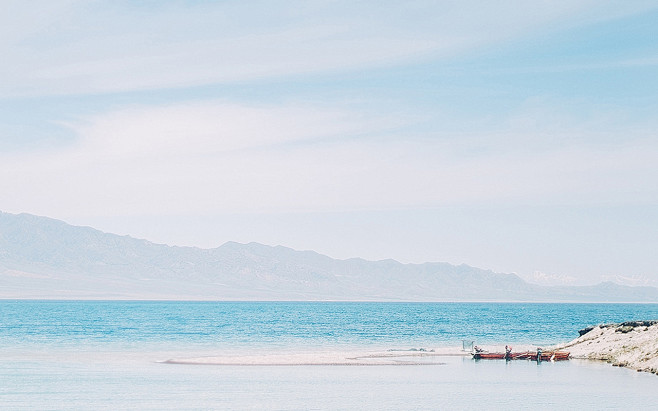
45, 258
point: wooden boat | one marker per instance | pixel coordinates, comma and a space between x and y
528, 355
483, 355
489, 355
545, 356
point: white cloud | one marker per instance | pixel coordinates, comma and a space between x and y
217, 157
209, 128
191, 157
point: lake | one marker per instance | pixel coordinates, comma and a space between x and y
108, 355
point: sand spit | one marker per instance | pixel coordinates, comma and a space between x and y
632, 344
413, 356
320, 358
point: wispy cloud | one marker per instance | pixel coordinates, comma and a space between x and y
208, 128
596, 66
215, 156
71, 47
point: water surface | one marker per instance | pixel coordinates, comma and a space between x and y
105, 355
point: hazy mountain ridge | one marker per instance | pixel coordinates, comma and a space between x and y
45, 258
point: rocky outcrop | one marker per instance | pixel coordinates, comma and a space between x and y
632, 344
620, 327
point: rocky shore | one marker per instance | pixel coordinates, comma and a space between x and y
632, 344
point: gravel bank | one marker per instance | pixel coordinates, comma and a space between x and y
632, 344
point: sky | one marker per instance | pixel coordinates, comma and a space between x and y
517, 136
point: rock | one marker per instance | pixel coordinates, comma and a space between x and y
639, 323
631, 344
585, 330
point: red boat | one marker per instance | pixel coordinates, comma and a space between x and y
528, 355
489, 355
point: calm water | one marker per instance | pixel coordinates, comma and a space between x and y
95, 355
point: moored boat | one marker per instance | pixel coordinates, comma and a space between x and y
545, 356
489, 355
528, 355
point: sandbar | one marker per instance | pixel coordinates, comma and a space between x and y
361, 358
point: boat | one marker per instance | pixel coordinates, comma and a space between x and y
528, 355
489, 355
545, 356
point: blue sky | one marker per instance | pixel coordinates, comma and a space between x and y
518, 136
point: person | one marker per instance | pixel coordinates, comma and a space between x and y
508, 352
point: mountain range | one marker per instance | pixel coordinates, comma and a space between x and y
46, 258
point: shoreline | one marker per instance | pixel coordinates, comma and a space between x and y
631, 344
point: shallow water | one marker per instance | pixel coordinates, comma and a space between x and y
106, 355
103, 382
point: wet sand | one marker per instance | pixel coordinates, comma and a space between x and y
361, 358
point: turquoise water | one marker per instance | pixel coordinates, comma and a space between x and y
284, 324
106, 355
